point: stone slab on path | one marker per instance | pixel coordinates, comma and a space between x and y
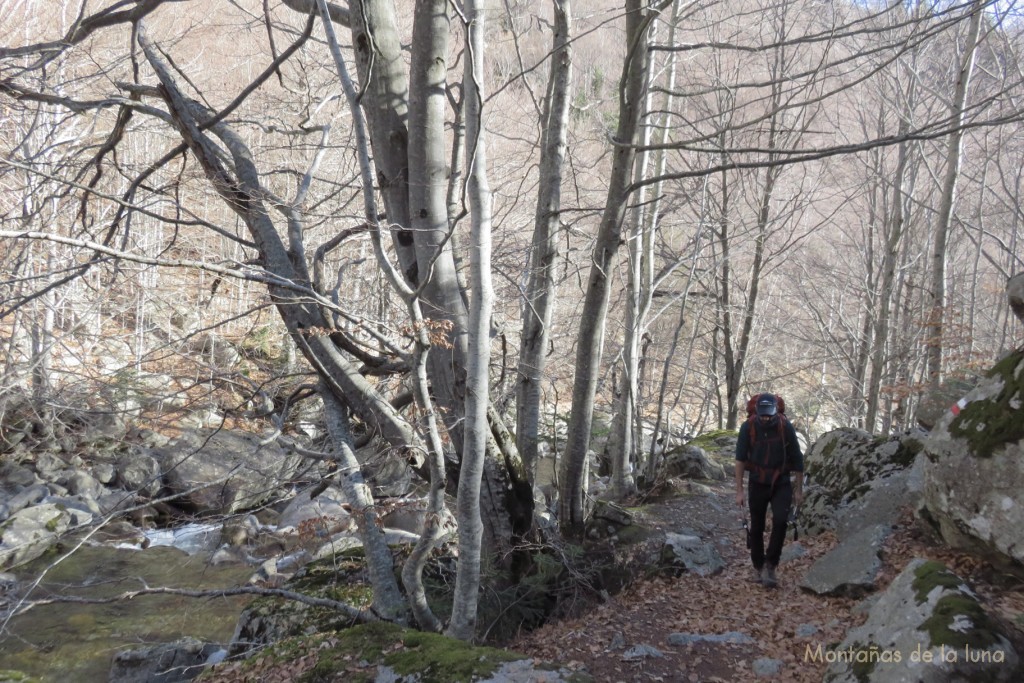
851, 568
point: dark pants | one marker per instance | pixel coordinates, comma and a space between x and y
781, 499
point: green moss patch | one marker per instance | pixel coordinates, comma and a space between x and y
932, 574
7, 676
707, 440
990, 424
959, 621
436, 658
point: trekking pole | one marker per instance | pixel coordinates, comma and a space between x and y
746, 531
794, 513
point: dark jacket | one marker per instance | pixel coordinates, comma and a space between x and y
773, 449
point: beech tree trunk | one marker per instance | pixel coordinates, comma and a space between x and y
467, 581
595, 306
540, 290
935, 327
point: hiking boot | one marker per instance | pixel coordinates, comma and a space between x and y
768, 577
756, 574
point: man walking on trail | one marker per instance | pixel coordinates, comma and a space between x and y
767, 447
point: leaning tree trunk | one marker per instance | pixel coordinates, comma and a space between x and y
430, 534
342, 386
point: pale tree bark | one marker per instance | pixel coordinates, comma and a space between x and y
590, 339
406, 119
884, 296
935, 327
342, 386
627, 427
540, 291
430, 534
467, 582
652, 220
388, 602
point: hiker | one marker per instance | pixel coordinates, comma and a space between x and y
767, 447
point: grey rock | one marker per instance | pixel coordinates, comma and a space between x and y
181, 660
849, 569
731, 637
26, 497
139, 471
692, 462
387, 474
82, 483
792, 551
882, 505
973, 481
105, 473
223, 472
81, 509
28, 533
925, 620
765, 667
693, 554
806, 630
642, 651
327, 507
935, 402
49, 467
407, 514
15, 477
844, 469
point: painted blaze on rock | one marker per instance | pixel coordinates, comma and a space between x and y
997, 420
974, 482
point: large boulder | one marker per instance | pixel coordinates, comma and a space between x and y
30, 532
222, 472
858, 478
174, 662
692, 462
139, 471
974, 472
927, 627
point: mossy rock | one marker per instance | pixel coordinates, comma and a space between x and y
973, 483
364, 653
7, 676
958, 620
991, 423
927, 626
269, 619
710, 441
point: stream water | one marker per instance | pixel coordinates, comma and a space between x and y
75, 643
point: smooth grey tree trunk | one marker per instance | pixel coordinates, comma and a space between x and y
884, 296
595, 306
405, 117
388, 602
935, 328
540, 290
467, 581
430, 534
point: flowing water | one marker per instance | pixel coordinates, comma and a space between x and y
72, 643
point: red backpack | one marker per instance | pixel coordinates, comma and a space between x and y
780, 405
